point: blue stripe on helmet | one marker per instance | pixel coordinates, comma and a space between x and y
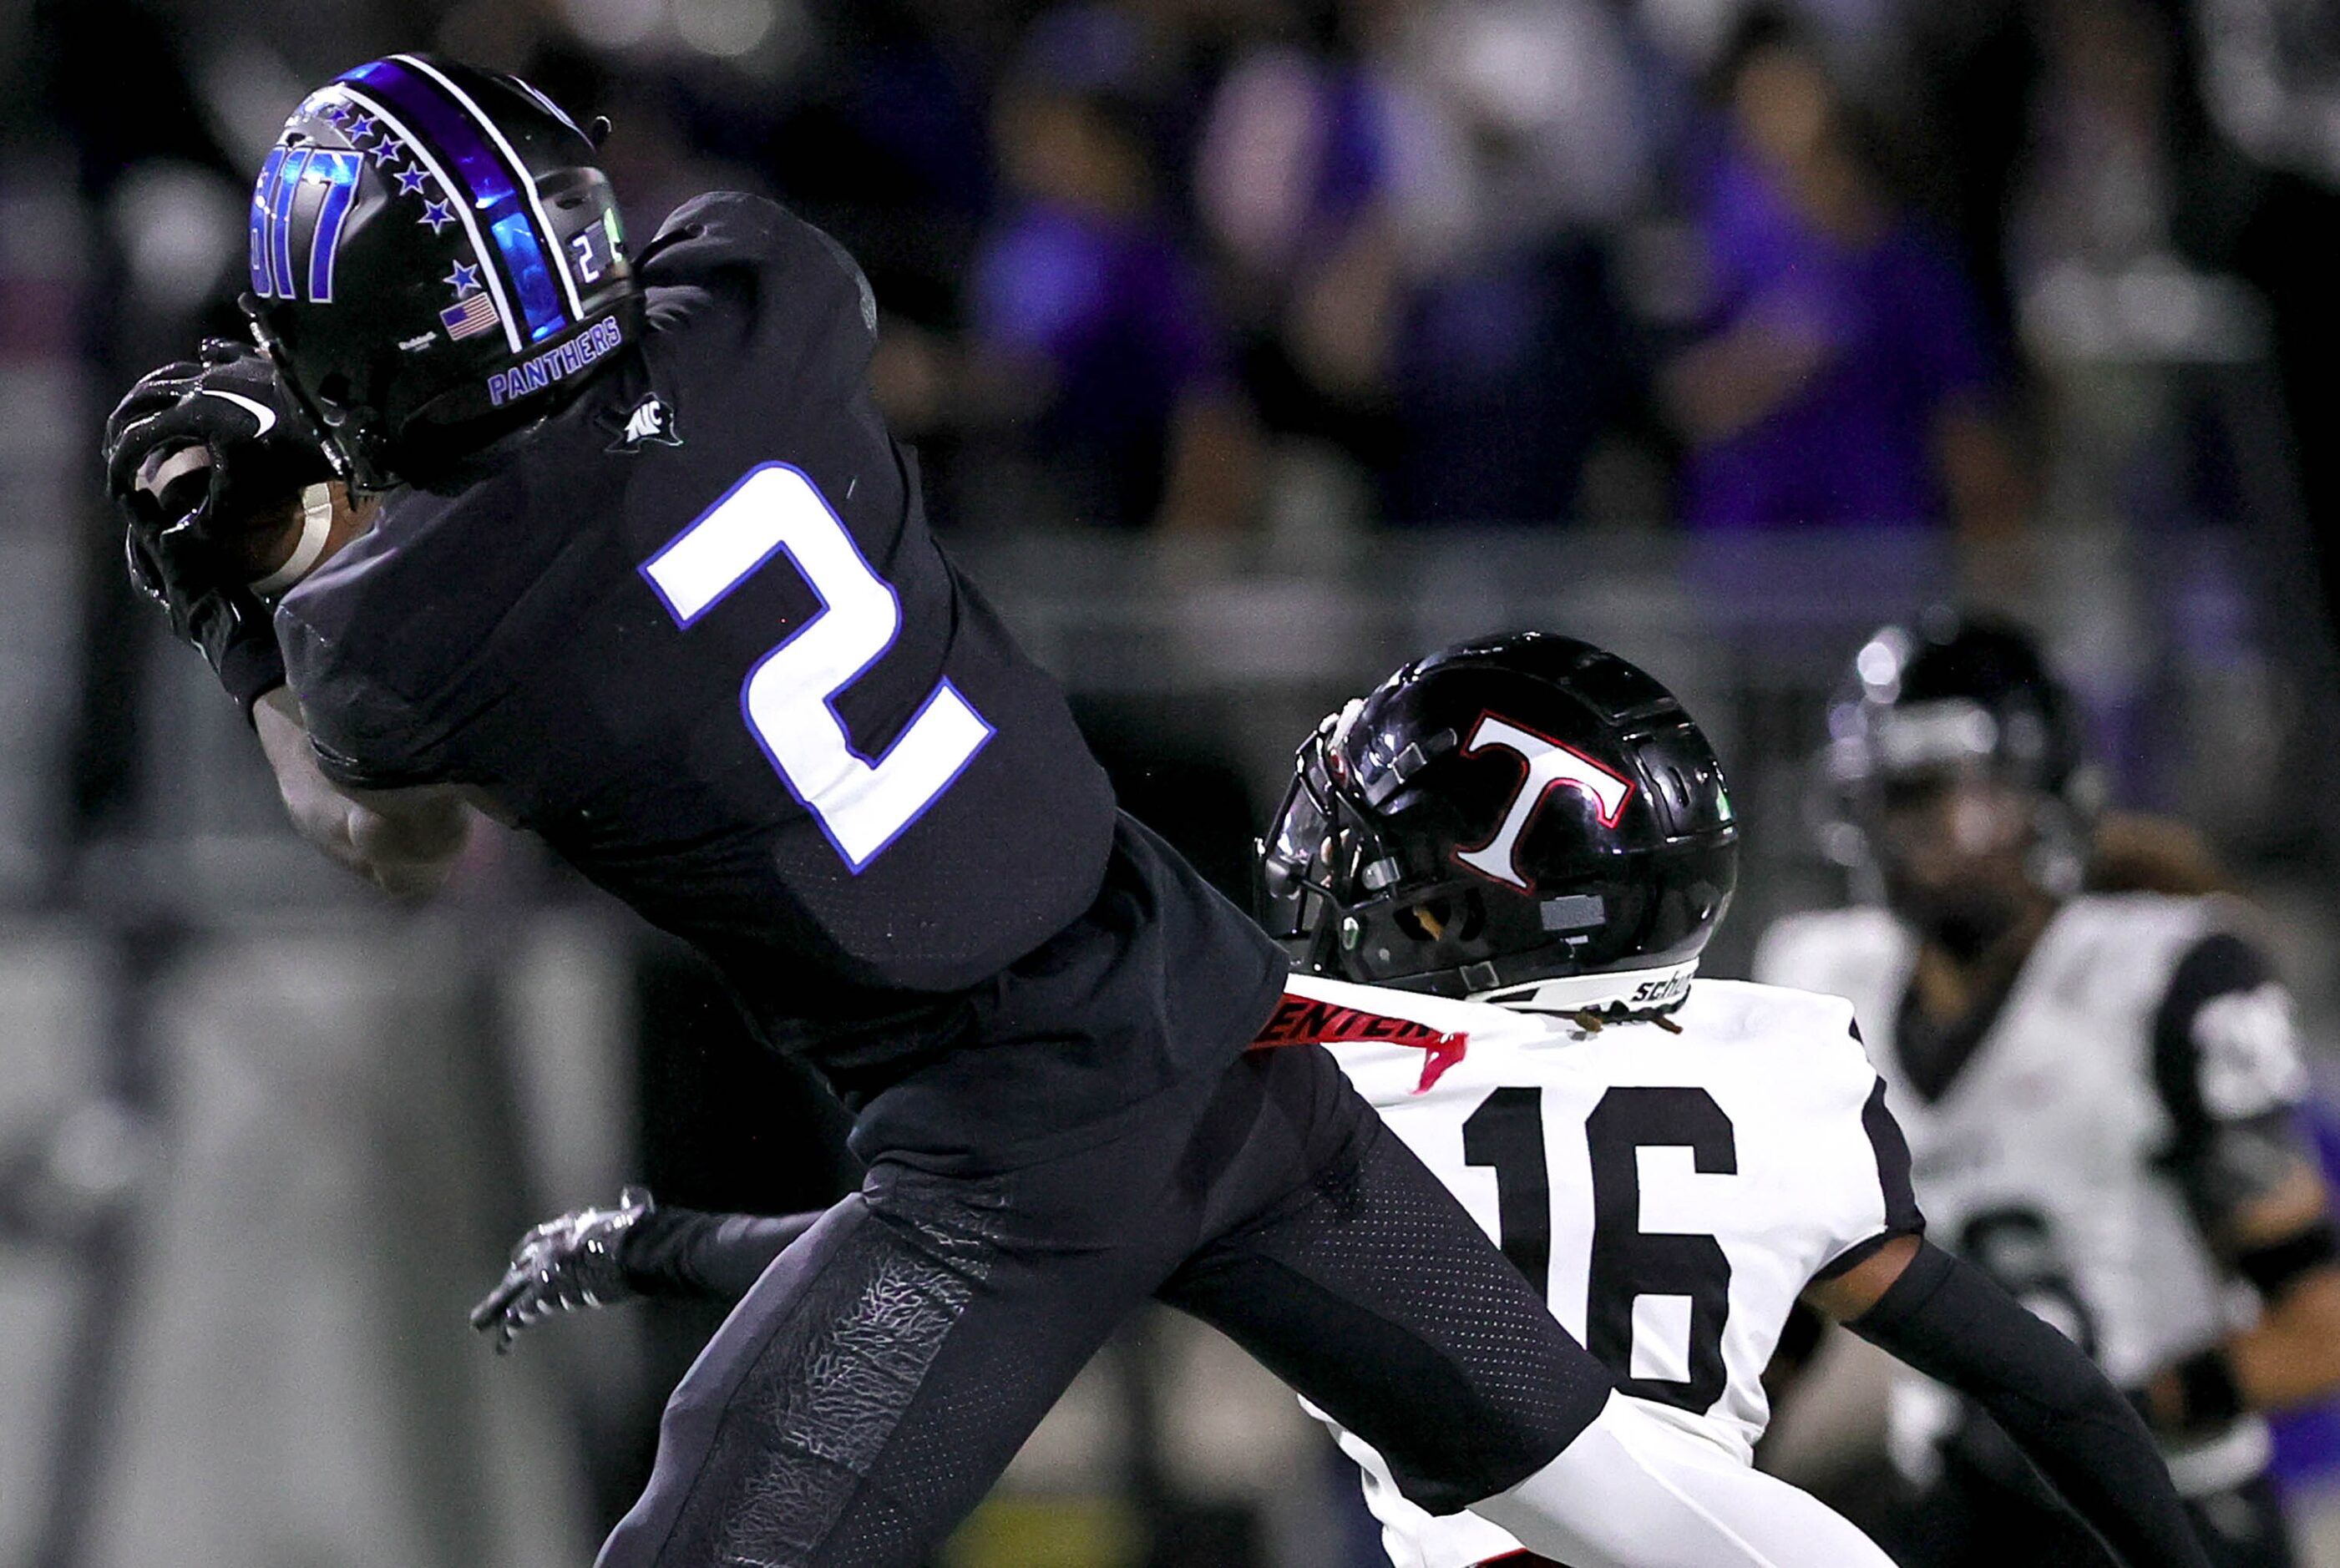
260, 193
490, 185
341, 173
279, 220
513, 159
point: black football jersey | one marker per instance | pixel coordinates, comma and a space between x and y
693, 631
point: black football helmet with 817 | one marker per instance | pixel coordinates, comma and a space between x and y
1505, 821
436, 259
1957, 778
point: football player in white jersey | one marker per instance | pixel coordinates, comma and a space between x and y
2096, 1090
1519, 848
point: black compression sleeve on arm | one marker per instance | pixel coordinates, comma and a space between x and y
1947, 1319
680, 1252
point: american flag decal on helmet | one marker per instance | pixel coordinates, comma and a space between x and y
475, 315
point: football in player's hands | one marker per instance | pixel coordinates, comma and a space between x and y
226, 500
280, 547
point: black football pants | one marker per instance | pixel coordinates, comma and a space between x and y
867, 1391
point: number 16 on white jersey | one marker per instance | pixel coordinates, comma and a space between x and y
1670, 1195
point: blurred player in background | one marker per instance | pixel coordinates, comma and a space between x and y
2097, 1088
1521, 847
644, 572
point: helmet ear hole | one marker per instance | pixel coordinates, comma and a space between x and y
1425, 922
1474, 916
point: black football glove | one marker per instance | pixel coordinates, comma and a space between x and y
196, 451
231, 401
562, 1266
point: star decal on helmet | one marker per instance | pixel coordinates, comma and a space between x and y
477, 154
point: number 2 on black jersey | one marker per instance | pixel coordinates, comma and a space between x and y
1628, 1263
862, 804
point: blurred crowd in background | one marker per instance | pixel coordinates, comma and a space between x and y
1249, 346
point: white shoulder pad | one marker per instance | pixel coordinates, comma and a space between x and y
1811, 1034
2154, 920
2120, 949
1826, 951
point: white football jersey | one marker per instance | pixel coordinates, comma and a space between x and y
2039, 1158
1673, 1194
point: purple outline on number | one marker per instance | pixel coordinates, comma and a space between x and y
828, 698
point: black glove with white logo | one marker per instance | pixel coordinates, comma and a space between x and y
232, 403
198, 453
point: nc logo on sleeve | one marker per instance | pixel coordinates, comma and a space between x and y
651, 423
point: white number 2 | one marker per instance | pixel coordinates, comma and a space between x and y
862, 804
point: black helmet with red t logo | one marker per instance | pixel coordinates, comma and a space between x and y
1499, 819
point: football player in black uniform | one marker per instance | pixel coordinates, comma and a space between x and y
636, 565
1530, 1007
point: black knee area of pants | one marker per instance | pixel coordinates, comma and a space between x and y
1445, 1452
1405, 1327
823, 1396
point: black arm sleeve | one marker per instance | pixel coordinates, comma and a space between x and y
682, 1253
1947, 1319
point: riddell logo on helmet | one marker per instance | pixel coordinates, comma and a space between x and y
555, 364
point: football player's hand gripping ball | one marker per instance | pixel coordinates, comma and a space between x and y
562, 1266
203, 458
